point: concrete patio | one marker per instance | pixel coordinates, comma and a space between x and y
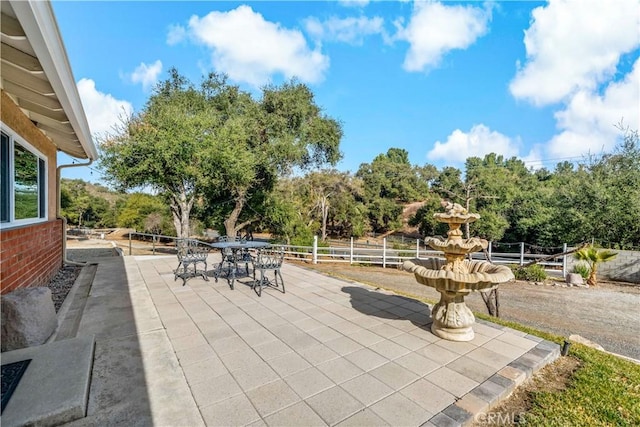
327, 352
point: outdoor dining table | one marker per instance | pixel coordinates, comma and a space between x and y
237, 246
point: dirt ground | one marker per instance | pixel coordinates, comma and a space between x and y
608, 314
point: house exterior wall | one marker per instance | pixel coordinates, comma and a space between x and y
13, 117
31, 254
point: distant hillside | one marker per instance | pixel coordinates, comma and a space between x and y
96, 190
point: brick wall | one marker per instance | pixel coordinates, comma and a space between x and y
30, 255
625, 267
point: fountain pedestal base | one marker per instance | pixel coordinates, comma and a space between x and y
452, 319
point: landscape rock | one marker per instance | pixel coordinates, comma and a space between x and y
584, 341
574, 279
28, 318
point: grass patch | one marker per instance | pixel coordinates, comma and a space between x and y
603, 391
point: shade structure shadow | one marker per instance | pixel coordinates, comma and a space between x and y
389, 306
120, 384
136, 377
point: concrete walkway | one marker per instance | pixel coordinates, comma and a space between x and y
327, 352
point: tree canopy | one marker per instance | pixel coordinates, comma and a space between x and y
216, 146
215, 152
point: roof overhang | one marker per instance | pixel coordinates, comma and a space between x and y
37, 76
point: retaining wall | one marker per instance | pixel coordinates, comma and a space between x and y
625, 267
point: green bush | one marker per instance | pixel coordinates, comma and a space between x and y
532, 273
582, 269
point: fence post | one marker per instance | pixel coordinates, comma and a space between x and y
129, 243
153, 250
417, 248
351, 252
564, 261
314, 256
384, 253
521, 253
490, 250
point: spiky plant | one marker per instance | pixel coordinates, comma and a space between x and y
593, 257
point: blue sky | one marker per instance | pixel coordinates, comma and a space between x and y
543, 81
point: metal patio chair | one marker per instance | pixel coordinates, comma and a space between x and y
268, 260
190, 254
231, 258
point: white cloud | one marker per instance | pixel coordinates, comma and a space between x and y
176, 34
480, 140
574, 45
588, 122
103, 111
147, 74
348, 30
535, 158
434, 29
250, 49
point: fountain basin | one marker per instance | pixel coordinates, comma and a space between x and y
480, 275
456, 246
456, 217
452, 319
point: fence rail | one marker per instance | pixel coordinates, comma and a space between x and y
371, 254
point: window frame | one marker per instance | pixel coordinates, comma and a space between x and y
42, 181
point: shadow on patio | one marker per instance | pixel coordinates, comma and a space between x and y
389, 306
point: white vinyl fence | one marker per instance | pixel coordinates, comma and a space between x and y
384, 255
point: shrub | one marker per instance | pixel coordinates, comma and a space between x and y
582, 269
593, 257
532, 273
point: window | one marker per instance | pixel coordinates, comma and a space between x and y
22, 182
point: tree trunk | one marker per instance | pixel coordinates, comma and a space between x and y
180, 211
230, 223
467, 207
593, 276
324, 206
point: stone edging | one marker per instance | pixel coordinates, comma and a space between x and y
499, 386
71, 310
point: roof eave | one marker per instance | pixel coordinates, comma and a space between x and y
41, 28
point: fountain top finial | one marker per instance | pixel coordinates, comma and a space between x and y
453, 208
455, 214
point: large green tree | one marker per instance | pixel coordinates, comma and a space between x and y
144, 212
390, 181
336, 200
217, 146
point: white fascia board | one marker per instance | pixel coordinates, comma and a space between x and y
40, 26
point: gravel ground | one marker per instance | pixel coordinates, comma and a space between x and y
62, 283
79, 251
607, 314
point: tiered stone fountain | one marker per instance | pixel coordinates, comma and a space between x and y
455, 277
